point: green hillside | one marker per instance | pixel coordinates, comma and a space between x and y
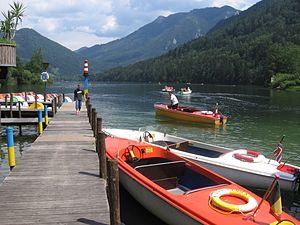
249, 48
63, 61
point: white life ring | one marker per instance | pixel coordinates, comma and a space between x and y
215, 198
249, 156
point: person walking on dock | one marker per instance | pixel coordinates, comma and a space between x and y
78, 95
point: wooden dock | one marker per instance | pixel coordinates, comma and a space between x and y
57, 179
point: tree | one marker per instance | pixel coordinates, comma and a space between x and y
11, 20
17, 11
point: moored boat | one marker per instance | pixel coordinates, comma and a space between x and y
181, 192
249, 168
185, 91
168, 89
190, 114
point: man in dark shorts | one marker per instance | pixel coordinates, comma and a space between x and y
78, 96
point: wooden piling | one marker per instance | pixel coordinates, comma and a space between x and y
35, 100
102, 155
99, 125
93, 119
20, 115
6, 103
90, 112
95, 123
11, 105
113, 192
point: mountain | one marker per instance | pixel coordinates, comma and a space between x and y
249, 48
80, 49
156, 38
62, 61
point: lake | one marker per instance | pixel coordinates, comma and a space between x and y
258, 118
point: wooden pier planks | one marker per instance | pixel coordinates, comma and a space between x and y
57, 180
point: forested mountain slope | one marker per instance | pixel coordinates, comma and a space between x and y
248, 48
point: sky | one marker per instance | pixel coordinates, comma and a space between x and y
76, 23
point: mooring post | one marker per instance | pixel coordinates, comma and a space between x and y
99, 125
11, 105
52, 107
40, 120
90, 112
6, 103
93, 119
63, 100
95, 122
20, 115
46, 115
102, 155
113, 191
35, 100
10, 147
87, 102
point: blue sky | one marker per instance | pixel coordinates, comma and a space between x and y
77, 23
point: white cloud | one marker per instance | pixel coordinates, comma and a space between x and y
77, 23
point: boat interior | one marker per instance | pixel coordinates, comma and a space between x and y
174, 176
189, 148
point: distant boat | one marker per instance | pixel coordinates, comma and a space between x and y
168, 89
185, 91
190, 114
181, 192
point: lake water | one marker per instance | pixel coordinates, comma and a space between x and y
258, 118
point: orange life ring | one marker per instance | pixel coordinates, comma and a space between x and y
248, 156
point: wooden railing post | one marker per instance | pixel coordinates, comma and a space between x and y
113, 192
90, 112
52, 107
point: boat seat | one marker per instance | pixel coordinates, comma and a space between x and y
165, 174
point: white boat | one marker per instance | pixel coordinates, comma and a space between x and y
242, 166
67, 99
185, 91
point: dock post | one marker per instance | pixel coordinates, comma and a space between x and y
10, 147
6, 103
35, 100
87, 102
52, 107
99, 125
94, 120
46, 115
11, 105
102, 155
63, 100
95, 123
20, 115
113, 192
90, 112
40, 120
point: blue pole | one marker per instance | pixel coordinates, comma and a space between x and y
40, 120
11, 147
46, 114
85, 85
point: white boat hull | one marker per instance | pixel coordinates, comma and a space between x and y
252, 174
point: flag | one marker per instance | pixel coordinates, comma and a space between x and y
274, 199
277, 152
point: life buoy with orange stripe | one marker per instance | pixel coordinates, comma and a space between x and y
249, 156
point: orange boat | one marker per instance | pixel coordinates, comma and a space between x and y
190, 114
181, 192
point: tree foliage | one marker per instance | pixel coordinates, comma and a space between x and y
246, 49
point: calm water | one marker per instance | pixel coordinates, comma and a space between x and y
258, 118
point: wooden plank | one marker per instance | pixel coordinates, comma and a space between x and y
57, 180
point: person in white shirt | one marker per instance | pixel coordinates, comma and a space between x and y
174, 100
